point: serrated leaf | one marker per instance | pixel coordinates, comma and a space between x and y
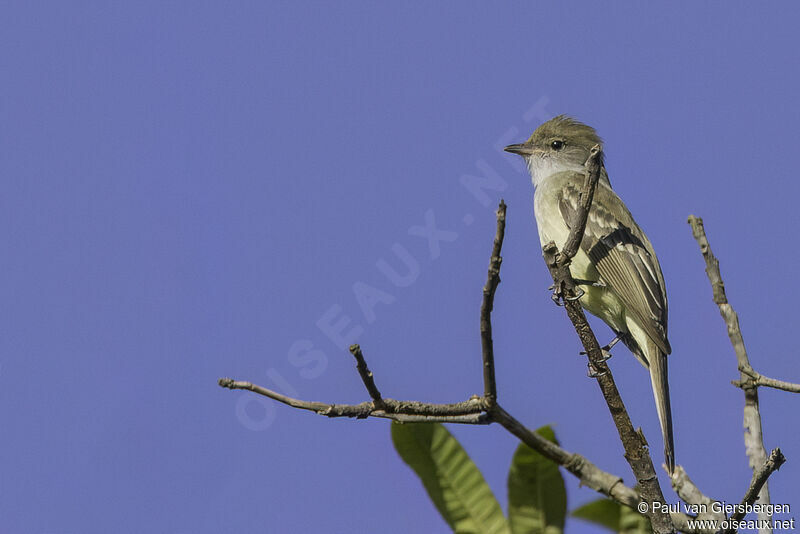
537, 499
613, 516
451, 478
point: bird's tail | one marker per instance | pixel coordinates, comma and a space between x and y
659, 378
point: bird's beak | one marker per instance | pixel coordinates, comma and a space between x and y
521, 149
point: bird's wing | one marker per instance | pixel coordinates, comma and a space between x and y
622, 255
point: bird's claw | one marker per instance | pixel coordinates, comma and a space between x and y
606, 354
560, 298
578, 295
594, 373
606, 348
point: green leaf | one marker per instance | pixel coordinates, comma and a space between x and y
453, 481
537, 499
632, 522
603, 512
614, 516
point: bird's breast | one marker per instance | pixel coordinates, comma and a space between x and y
599, 301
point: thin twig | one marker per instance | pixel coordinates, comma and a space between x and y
564, 285
467, 412
753, 440
757, 379
366, 375
636, 451
760, 476
593, 165
492, 281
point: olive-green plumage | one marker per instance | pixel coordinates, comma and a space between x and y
628, 291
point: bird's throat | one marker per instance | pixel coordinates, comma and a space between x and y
541, 167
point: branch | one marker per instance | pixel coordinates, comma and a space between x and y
760, 476
636, 452
477, 410
563, 283
731, 318
467, 412
756, 379
492, 281
366, 375
589, 474
753, 440
691, 494
472, 412
593, 165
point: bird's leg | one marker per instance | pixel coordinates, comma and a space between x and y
606, 348
611, 343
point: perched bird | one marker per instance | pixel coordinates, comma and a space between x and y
615, 265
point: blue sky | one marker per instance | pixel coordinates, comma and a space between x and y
189, 190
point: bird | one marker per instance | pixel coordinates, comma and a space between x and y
616, 265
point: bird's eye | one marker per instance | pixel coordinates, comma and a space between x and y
557, 144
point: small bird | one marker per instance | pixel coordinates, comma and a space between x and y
615, 265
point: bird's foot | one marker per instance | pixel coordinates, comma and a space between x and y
593, 372
606, 349
559, 294
577, 296
606, 353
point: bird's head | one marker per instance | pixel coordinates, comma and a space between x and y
562, 143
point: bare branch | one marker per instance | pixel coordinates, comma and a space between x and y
563, 284
756, 379
472, 412
593, 165
589, 474
686, 489
691, 494
492, 281
366, 375
467, 412
753, 440
636, 451
760, 476
476, 410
